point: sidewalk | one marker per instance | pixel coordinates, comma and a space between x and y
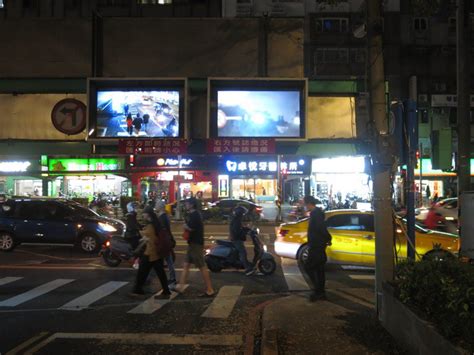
344, 324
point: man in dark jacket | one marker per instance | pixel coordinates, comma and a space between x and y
318, 239
238, 234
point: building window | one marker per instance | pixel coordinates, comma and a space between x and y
452, 25
332, 25
154, 2
420, 24
332, 55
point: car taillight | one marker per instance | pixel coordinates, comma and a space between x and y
283, 232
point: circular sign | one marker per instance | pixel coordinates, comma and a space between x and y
69, 116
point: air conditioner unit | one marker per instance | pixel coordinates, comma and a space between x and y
444, 101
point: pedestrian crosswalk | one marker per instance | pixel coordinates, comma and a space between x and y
220, 307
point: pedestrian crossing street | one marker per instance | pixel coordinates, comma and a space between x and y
220, 307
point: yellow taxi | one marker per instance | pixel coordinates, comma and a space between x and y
353, 239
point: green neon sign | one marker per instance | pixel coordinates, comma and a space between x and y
93, 164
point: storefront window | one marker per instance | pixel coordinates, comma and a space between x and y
259, 190
196, 188
87, 185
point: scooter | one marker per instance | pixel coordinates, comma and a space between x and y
223, 255
118, 249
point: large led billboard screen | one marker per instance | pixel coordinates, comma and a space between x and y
258, 109
135, 110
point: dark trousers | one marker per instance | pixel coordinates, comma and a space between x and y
130, 130
144, 269
314, 268
240, 246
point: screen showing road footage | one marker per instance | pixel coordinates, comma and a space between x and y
259, 113
137, 113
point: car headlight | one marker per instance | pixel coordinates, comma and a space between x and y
107, 227
257, 230
265, 249
208, 251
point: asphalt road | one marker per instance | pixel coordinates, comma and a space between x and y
57, 300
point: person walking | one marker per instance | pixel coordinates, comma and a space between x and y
137, 123
133, 227
146, 120
150, 259
194, 227
318, 239
129, 121
165, 223
238, 235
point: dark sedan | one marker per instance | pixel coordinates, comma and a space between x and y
43, 220
224, 208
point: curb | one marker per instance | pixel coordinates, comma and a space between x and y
269, 342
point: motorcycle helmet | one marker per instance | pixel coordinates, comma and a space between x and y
131, 207
240, 210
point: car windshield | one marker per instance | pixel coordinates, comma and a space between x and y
82, 211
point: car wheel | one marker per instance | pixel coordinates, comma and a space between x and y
303, 254
7, 243
110, 259
438, 255
88, 243
267, 266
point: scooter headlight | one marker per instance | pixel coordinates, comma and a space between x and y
265, 248
257, 230
208, 251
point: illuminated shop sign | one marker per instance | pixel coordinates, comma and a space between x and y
293, 166
223, 186
172, 162
93, 164
172, 175
14, 166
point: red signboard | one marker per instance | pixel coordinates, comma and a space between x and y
241, 146
153, 146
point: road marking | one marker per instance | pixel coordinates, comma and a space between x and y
223, 303
151, 305
362, 277
293, 276
93, 296
147, 339
36, 292
17, 350
7, 280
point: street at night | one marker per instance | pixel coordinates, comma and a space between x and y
236, 177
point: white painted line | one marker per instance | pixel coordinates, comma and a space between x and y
293, 276
93, 296
362, 277
147, 339
223, 303
151, 305
27, 343
7, 280
36, 292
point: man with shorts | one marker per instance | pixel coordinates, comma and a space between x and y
195, 253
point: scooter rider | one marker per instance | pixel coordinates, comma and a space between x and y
238, 235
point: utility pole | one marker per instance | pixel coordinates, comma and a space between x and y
382, 159
463, 94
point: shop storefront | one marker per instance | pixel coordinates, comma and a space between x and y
86, 177
20, 177
256, 178
171, 177
341, 182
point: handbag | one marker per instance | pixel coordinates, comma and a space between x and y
163, 243
186, 235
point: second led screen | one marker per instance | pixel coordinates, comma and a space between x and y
258, 113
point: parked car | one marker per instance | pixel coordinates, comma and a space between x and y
43, 220
224, 208
353, 239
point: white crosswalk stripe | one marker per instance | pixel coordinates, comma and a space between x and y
7, 280
86, 300
36, 292
223, 303
151, 305
293, 276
